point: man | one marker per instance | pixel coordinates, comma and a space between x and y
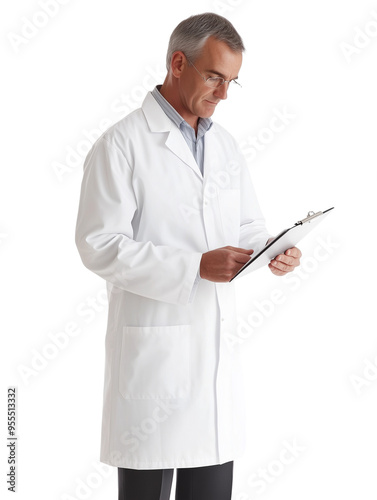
167, 216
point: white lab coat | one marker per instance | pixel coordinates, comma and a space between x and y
173, 389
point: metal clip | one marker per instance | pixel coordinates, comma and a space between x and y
311, 215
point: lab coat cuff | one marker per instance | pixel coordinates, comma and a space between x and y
193, 277
195, 286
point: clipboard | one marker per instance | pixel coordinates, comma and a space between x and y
284, 240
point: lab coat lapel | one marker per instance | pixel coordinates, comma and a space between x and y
178, 145
158, 122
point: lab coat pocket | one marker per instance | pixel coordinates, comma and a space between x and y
229, 208
155, 362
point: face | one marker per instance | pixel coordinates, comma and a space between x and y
216, 59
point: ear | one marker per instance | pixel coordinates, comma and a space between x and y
178, 63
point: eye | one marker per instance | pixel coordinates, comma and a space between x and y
215, 81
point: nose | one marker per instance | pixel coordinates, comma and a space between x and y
222, 91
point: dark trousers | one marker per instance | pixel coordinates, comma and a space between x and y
211, 482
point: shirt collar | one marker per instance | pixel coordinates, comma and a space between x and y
204, 123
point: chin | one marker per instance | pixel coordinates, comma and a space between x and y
206, 113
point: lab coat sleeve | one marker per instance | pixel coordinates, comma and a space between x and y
104, 234
253, 232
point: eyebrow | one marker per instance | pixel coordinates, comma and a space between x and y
220, 74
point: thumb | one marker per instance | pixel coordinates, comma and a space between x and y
242, 257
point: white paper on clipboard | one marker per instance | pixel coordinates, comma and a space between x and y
285, 239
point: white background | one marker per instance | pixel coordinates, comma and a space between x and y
86, 68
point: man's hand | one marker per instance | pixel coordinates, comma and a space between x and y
285, 262
221, 265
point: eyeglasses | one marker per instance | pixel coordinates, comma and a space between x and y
214, 81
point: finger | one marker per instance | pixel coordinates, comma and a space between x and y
294, 252
285, 259
241, 250
276, 271
280, 266
241, 258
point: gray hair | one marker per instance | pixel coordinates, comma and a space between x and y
191, 34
